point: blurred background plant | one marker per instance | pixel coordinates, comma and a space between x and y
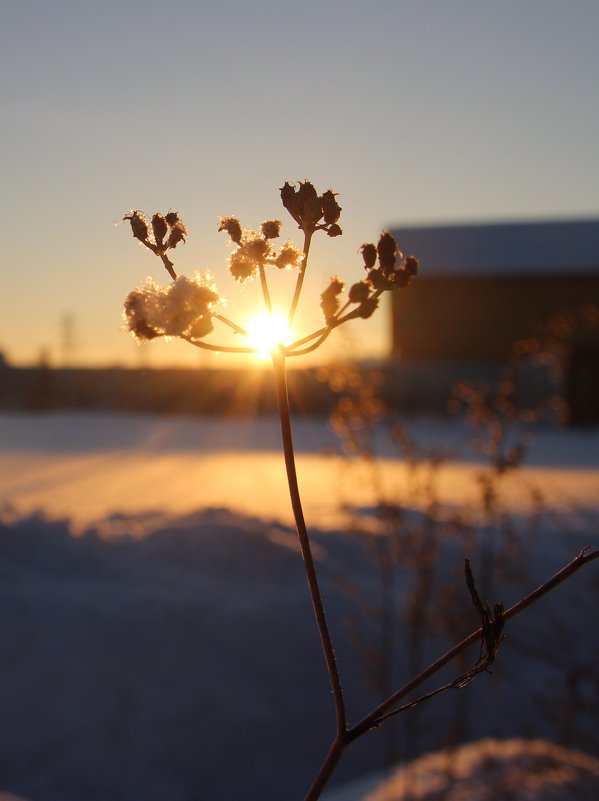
411, 532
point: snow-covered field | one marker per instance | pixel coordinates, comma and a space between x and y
156, 636
89, 467
518, 769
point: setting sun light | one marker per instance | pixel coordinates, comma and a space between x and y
267, 331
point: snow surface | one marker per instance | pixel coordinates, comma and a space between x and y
89, 467
156, 635
487, 770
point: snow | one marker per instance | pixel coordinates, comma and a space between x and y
156, 638
88, 467
487, 770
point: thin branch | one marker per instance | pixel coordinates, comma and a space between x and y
237, 328
492, 637
217, 348
300, 278
323, 333
355, 313
352, 315
265, 292
585, 556
161, 253
346, 305
168, 264
334, 322
331, 761
373, 719
312, 347
308, 338
385, 710
411, 704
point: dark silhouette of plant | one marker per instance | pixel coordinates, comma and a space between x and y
188, 308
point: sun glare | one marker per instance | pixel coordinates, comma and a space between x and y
267, 331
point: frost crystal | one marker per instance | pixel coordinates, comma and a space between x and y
183, 308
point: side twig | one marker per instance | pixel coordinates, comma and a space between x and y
389, 706
372, 720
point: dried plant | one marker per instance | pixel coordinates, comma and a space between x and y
189, 307
411, 535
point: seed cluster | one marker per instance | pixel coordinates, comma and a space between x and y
254, 249
311, 211
394, 270
186, 308
160, 234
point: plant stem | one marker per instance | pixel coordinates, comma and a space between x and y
237, 328
278, 360
170, 267
300, 278
324, 332
216, 348
308, 338
331, 761
311, 347
265, 292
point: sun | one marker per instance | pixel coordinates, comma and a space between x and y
267, 331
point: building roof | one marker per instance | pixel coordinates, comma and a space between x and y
515, 248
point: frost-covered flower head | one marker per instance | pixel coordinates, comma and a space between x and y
312, 211
187, 307
184, 308
160, 234
255, 250
152, 233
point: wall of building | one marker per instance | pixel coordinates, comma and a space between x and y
473, 318
447, 329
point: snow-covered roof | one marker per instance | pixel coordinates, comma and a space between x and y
515, 248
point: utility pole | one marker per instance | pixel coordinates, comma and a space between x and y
67, 339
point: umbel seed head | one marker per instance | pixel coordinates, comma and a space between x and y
152, 234
310, 210
389, 274
186, 307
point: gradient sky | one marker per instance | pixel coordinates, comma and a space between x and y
415, 111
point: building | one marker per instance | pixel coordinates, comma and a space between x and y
483, 288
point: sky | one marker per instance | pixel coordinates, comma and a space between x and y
415, 111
